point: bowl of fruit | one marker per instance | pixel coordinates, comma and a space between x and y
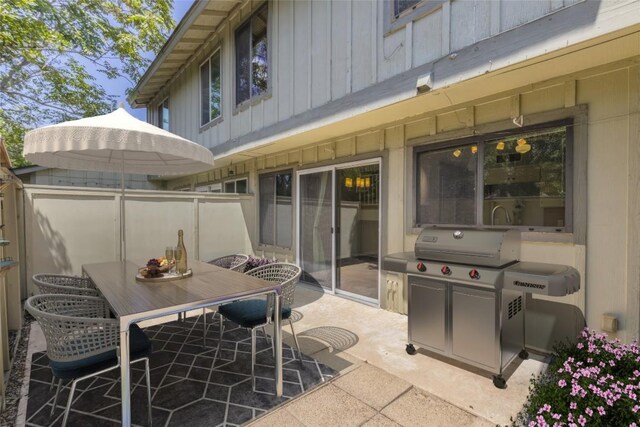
155, 267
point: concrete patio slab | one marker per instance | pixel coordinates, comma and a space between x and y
379, 338
416, 408
330, 406
372, 385
380, 421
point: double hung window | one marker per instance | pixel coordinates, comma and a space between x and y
515, 179
210, 89
236, 186
400, 6
252, 56
163, 114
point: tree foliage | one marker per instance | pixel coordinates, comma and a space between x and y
51, 52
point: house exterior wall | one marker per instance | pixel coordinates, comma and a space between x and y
348, 49
321, 51
605, 260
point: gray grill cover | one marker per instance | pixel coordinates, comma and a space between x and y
478, 247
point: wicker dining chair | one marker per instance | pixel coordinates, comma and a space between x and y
61, 284
235, 262
258, 313
82, 342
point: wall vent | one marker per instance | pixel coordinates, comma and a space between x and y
515, 307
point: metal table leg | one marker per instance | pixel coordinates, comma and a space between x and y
125, 377
277, 336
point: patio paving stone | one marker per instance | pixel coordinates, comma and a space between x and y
330, 406
417, 408
380, 421
372, 385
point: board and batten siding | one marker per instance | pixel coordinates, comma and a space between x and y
321, 51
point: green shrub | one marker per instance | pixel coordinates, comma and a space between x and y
593, 382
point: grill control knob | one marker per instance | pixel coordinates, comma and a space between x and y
445, 270
421, 267
474, 274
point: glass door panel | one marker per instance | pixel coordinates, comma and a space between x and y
357, 230
316, 222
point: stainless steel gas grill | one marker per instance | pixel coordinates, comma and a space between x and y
466, 294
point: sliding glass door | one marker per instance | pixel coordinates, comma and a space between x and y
315, 227
339, 228
358, 230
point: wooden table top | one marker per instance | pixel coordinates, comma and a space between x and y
209, 283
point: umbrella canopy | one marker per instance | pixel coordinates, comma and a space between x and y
115, 142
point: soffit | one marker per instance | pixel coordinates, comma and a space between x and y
198, 25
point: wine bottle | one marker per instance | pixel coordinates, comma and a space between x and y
181, 255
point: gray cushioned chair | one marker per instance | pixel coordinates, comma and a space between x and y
234, 262
257, 313
61, 284
82, 341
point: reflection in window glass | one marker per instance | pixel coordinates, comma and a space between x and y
446, 186
163, 114
276, 209
259, 77
204, 93
284, 210
251, 48
241, 186
215, 91
243, 63
210, 89
524, 179
400, 6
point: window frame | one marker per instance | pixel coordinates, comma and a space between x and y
480, 140
253, 100
215, 120
160, 114
393, 23
291, 172
235, 185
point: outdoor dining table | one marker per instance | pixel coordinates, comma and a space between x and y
134, 301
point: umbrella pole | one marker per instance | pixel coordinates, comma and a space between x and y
123, 242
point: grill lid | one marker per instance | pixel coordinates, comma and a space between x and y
479, 247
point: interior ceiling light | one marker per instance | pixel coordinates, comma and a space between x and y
500, 146
367, 182
348, 182
474, 149
522, 146
457, 152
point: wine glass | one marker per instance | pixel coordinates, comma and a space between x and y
169, 253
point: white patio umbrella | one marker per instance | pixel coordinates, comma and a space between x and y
115, 142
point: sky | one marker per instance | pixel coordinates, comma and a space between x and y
119, 86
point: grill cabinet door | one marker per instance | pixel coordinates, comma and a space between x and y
427, 313
473, 326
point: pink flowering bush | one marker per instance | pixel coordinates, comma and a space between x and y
594, 382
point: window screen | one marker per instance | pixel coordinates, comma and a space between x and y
276, 209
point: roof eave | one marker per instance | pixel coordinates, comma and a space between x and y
183, 26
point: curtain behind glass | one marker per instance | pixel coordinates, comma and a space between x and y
267, 209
